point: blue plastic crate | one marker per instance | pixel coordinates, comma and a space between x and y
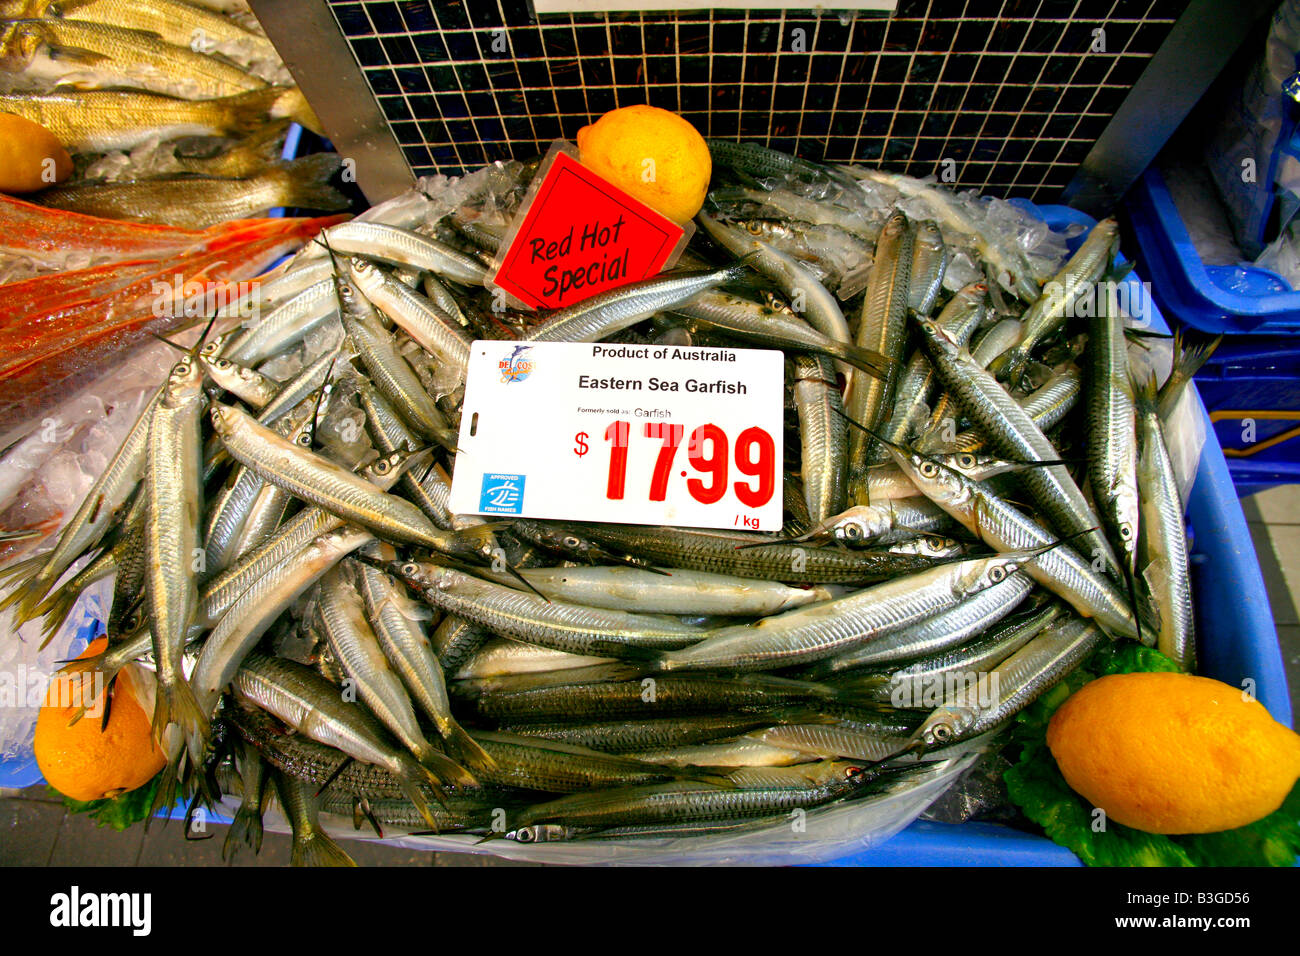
1189, 291
1251, 388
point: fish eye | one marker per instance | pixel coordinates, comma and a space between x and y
852, 531
304, 440
382, 466
942, 732
967, 461
410, 568
997, 574
929, 469
1126, 531
571, 542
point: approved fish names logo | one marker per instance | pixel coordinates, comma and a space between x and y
76, 909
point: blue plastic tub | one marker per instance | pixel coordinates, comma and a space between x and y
1235, 630
1191, 292
1237, 641
1251, 387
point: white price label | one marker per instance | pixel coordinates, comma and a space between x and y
632, 434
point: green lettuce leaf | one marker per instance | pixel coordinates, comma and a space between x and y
120, 812
1035, 785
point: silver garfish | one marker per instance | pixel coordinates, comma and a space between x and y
1014, 684
438, 334
809, 634
313, 706
1003, 526
1112, 441
823, 436
171, 529
592, 319
398, 624
882, 328
1163, 541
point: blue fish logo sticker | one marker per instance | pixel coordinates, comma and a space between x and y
516, 367
502, 494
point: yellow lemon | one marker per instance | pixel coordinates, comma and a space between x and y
30, 157
1174, 753
87, 760
651, 154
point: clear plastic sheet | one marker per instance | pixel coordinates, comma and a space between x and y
829, 833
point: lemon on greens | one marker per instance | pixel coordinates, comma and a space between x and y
1173, 753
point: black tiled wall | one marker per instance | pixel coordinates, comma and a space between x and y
1012, 91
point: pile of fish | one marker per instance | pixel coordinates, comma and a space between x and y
174, 112
978, 496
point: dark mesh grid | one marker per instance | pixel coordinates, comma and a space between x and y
1008, 90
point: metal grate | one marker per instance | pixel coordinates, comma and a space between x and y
1013, 92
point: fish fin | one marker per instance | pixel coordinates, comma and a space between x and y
75, 54
1137, 335
26, 597
55, 610
318, 848
869, 361
1188, 359
363, 807
334, 774
248, 111
466, 748
291, 103
446, 769
177, 704
1146, 394
1011, 365
416, 772
245, 826
308, 186
411, 788
164, 798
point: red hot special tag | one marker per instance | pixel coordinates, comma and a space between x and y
581, 236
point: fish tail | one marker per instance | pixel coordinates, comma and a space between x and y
177, 704
867, 360
246, 113
308, 186
1188, 359
1146, 394
442, 768
245, 826
317, 848
466, 747
86, 666
290, 103
31, 582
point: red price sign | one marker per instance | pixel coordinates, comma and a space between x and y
580, 236
707, 453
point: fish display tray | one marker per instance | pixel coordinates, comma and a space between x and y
1194, 293
1236, 634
